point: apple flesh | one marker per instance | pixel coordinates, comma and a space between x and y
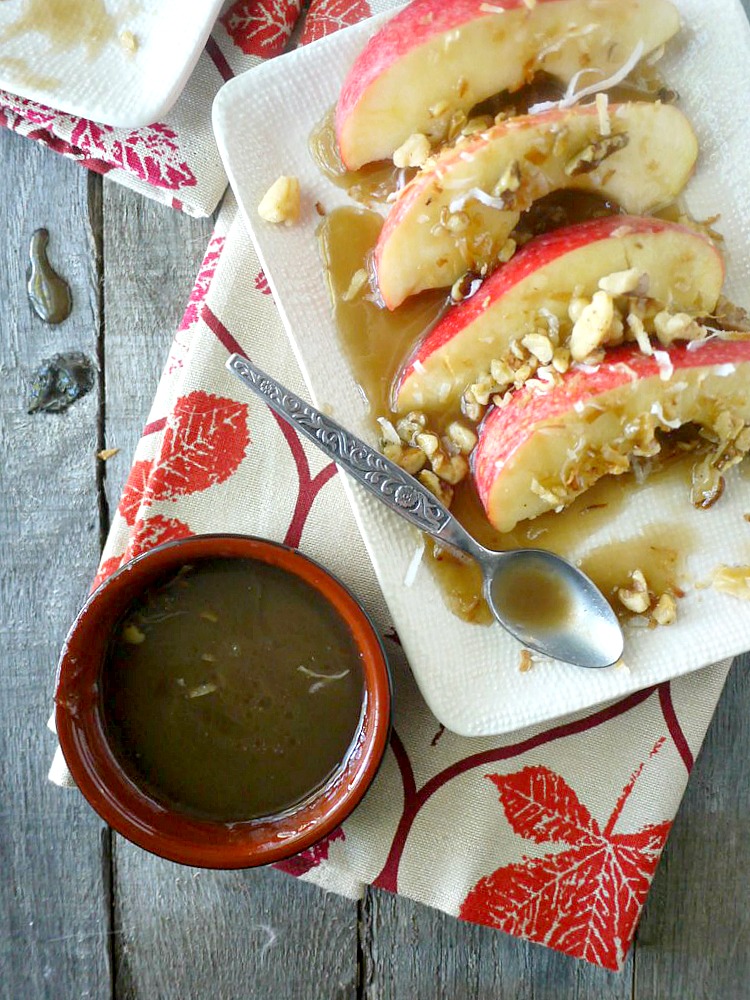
685, 273
543, 449
421, 246
453, 54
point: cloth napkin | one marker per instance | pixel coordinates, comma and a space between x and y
552, 834
175, 161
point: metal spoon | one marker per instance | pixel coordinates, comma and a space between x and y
542, 600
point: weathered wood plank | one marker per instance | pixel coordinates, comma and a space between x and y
180, 933
54, 909
184, 934
694, 939
412, 951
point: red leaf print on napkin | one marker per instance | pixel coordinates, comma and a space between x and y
302, 863
155, 531
106, 569
203, 281
135, 491
328, 16
205, 441
261, 283
261, 27
153, 154
584, 901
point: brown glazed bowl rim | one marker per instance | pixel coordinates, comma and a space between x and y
171, 834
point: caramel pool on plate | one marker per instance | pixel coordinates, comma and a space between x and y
232, 691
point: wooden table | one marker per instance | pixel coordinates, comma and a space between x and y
86, 915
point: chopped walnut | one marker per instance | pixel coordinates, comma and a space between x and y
463, 437
540, 346
576, 306
506, 251
665, 612
526, 663
428, 443
466, 286
509, 183
636, 597
411, 460
436, 486
502, 373
561, 360
413, 152
624, 282
638, 331
451, 469
133, 635
281, 202
733, 580
410, 426
129, 42
680, 326
592, 327
593, 155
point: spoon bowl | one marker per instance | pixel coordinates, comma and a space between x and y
543, 601
546, 603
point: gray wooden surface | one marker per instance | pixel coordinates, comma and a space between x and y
83, 914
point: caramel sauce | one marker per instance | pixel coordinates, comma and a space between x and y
30, 77
374, 340
49, 293
377, 344
232, 690
659, 552
66, 24
534, 599
370, 185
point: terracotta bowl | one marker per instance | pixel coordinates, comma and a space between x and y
128, 808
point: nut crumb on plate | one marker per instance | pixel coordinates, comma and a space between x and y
281, 202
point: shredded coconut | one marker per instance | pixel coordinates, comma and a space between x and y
573, 96
724, 371
658, 412
476, 194
664, 362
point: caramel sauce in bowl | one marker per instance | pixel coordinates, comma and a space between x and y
223, 702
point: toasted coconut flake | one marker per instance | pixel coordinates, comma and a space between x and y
664, 363
573, 96
733, 580
602, 108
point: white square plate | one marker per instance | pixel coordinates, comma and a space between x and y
104, 81
469, 675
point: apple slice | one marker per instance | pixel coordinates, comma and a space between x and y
441, 56
456, 215
542, 449
685, 273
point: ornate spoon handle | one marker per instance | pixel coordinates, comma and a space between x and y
396, 488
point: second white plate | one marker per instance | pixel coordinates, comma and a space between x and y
115, 62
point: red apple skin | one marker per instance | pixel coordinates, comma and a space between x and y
413, 26
537, 254
507, 429
424, 21
428, 180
